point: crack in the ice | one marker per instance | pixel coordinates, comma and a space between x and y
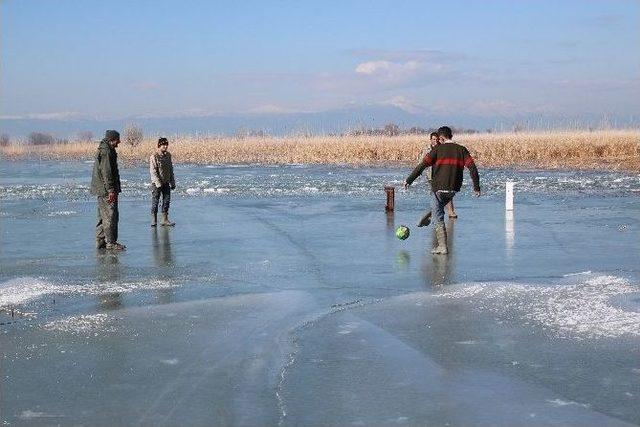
292, 356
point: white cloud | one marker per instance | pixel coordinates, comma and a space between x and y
389, 69
372, 67
405, 104
383, 74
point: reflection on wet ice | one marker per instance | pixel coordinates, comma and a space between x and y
164, 261
108, 270
438, 269
162, 248
403, 259
509, 232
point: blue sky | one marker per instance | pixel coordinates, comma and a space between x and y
115, 58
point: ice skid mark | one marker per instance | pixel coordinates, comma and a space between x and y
347, 328
581, 310
25, 289
255, 353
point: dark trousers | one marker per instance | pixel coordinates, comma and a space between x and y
165, 191
108, 216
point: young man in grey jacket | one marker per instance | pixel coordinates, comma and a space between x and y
105, 184
162, 182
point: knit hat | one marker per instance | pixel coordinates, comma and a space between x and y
112, 135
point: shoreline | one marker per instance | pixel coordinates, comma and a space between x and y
582, 150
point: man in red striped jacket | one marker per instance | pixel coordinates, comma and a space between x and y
447, 162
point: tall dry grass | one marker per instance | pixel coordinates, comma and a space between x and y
616, 149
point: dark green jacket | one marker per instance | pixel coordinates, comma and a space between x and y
105, 177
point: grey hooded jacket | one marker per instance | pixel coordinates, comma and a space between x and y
161, 169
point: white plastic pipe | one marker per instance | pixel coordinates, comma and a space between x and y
508, 202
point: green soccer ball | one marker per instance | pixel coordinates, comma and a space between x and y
402, 232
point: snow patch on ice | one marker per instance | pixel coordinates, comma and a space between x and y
309, 189
217, 190
20, 291
25, 289
62, 213
581, 273
78, 324
560, 402
29, 414
583, 309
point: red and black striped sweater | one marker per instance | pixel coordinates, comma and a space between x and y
447, 161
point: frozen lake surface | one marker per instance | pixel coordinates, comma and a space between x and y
282, 297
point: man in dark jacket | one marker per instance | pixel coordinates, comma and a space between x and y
105, 184
447, 161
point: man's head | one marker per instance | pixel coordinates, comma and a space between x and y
434, 138
163, 144
444, 132
112, 137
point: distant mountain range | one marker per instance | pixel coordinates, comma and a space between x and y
334, 121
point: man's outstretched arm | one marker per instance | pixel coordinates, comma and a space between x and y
473, 171
417, 171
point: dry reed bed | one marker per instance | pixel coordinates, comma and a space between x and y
617, 149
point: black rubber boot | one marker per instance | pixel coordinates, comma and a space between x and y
425, 220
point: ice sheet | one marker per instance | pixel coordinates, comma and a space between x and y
282, 296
